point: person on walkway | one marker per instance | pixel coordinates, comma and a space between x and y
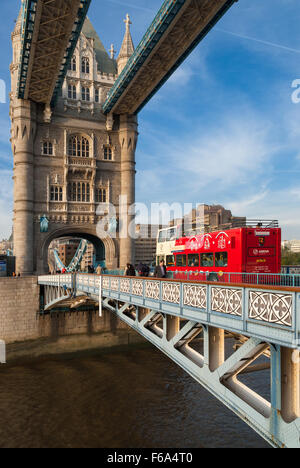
130, 270
161, 270
99, 270
140, 269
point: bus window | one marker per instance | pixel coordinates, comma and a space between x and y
193, 260
181, 260
207, 259
221, 259
170, 260
171, 234
162, 236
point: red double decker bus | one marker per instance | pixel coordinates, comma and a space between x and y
214, 255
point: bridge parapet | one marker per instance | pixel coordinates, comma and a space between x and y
264, 312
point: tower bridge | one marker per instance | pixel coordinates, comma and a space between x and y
74, 116
172, 315
74, 134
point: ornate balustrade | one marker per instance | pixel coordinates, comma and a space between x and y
262, 312
83, 162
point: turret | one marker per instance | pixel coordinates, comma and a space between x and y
127, 48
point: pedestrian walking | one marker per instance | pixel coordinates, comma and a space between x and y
161, 270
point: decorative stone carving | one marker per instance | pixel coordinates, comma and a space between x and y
47, 114
171, 292
271, 307
125, 285
195, 296
227, 301
137, 288
114, 284
152, 290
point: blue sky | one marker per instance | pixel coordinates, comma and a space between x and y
224, 129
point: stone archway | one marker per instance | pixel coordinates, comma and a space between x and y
79, 232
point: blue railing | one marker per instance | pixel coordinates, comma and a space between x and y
266, 312
161, 23
271, 279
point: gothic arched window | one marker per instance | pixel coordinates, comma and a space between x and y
72, 92
56, 193
48, 148
72, 64
79, 192
108, 153
85, 65
85, 94
79, 147
100, 196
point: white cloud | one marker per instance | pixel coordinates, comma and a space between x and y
230, 153
241, 206
181, 76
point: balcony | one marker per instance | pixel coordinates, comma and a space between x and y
81, 162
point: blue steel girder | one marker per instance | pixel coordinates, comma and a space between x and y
263, 416
264, 321
50, 31
177, 29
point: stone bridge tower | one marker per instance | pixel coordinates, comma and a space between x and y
70, 162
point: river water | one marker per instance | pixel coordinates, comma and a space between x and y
122, 398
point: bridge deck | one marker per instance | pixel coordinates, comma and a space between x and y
176, 30
50, 30
265, 312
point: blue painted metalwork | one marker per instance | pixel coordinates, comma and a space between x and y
269, 279
58, 261
82, 12
253, 315
144, 304
161, 23
28, 24
75, 260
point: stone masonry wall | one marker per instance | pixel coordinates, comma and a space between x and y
20, 320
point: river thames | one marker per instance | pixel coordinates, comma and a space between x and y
120, 398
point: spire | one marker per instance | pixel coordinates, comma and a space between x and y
18, 22
127, 48
112, 52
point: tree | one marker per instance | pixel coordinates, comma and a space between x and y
289, 258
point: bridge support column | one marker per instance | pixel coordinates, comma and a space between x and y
216, 348
290, 385
172, 326
128, 139
142, 313
23, 134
